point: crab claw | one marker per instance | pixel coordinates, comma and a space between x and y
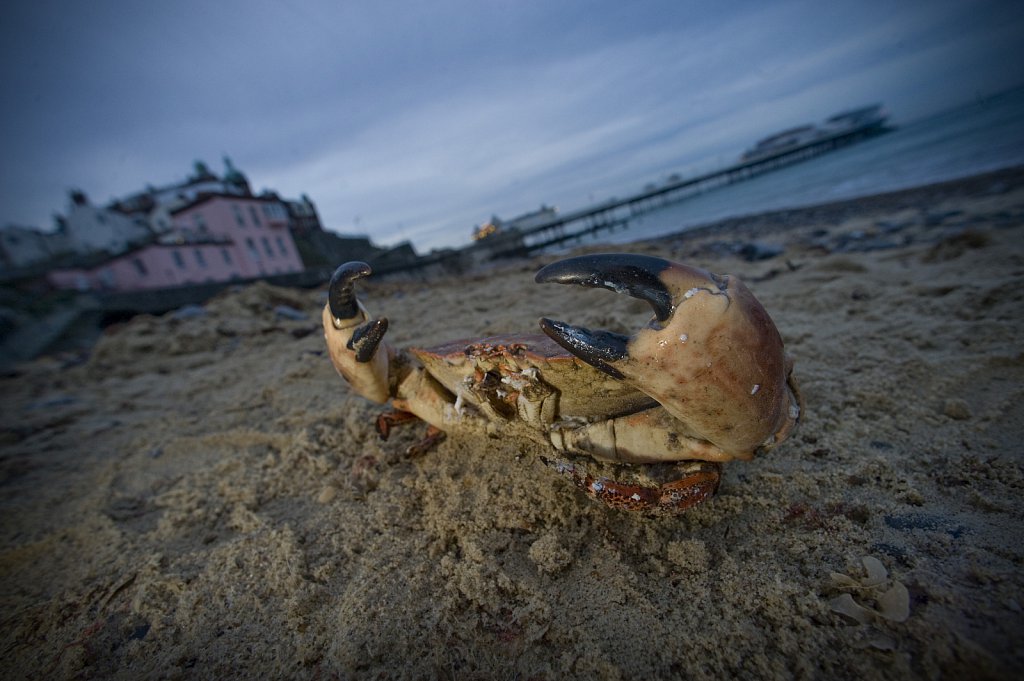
341, 297
711, 355
352, 338
366, 338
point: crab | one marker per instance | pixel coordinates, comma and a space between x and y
706, 381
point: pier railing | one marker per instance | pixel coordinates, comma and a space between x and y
615, 213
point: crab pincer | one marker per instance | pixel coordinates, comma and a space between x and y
711, 356
352, 338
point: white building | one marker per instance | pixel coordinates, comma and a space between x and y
156, 203
23, 246
92, 229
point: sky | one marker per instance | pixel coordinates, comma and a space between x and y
413, 120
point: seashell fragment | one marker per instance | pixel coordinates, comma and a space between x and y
877, 574
845, 605
891, 598
894, 604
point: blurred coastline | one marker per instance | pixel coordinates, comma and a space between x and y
979, 137
71, 326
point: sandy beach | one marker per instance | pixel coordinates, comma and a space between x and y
203, 496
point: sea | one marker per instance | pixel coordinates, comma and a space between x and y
984, 135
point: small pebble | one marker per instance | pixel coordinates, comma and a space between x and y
327, 494
956, 409
189, 312
289, 312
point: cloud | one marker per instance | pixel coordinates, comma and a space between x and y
425, 118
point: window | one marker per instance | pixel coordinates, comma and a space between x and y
200, 222
238, 215
140, 267
200, 260
274, 211
226, 254
266, 247
254, 255
281, 247
178, 260
254, 215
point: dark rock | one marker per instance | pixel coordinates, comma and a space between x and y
758, 250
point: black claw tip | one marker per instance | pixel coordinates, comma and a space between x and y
367, 337
596, 348
636, 275
341, 297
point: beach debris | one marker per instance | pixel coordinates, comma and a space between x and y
189, 312
290, 313
936, 218
752, 251
859, 241
929, 522
955, 245
704, 382
892, 226
871, 601
956, 408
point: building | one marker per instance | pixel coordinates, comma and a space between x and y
153, 203
215, 238
256, 227
93, 229
542, 216
203, 230
152, 266
25, 246
303, 217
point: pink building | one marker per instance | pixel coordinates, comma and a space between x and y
256, 227
214, 238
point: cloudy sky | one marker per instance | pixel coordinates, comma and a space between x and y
419, 119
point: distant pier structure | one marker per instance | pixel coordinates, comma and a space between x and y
771, 153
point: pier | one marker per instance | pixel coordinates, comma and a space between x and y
616, 213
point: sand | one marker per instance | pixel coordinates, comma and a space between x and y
203, 497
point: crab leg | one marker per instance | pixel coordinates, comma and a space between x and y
698, 482
353, 339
